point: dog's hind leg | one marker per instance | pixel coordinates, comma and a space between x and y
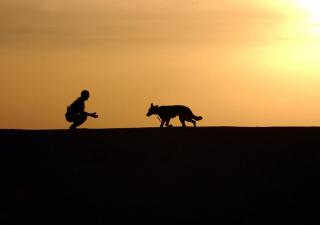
192, 121
182, 120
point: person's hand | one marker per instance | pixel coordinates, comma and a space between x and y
94, 115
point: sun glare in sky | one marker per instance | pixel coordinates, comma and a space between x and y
311, 11
234, 62
312, 7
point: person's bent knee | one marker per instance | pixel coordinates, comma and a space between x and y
83, 117
69, 118
79, 121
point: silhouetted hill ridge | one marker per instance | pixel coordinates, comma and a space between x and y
205, 175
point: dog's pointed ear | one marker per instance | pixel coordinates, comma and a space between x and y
151, 104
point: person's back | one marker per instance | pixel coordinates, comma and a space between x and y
77, 107
76, 111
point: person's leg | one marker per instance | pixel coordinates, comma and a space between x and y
78, 121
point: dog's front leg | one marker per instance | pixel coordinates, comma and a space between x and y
167, 123
162, 122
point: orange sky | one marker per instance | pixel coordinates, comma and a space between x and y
234, 62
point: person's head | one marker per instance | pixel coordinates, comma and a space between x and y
85, 94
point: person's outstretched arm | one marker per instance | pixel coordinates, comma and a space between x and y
94, 115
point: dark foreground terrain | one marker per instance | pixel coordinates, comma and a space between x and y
161, 176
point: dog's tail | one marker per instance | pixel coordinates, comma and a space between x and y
197, 117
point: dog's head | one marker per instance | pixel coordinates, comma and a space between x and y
153, 110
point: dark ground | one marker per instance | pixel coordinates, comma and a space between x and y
216, 175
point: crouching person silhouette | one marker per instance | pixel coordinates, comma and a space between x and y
75, 112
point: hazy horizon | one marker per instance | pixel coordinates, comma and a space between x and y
235, 63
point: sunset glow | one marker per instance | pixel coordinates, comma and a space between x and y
312, 7
234, 63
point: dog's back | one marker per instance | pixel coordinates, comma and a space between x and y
172, 111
